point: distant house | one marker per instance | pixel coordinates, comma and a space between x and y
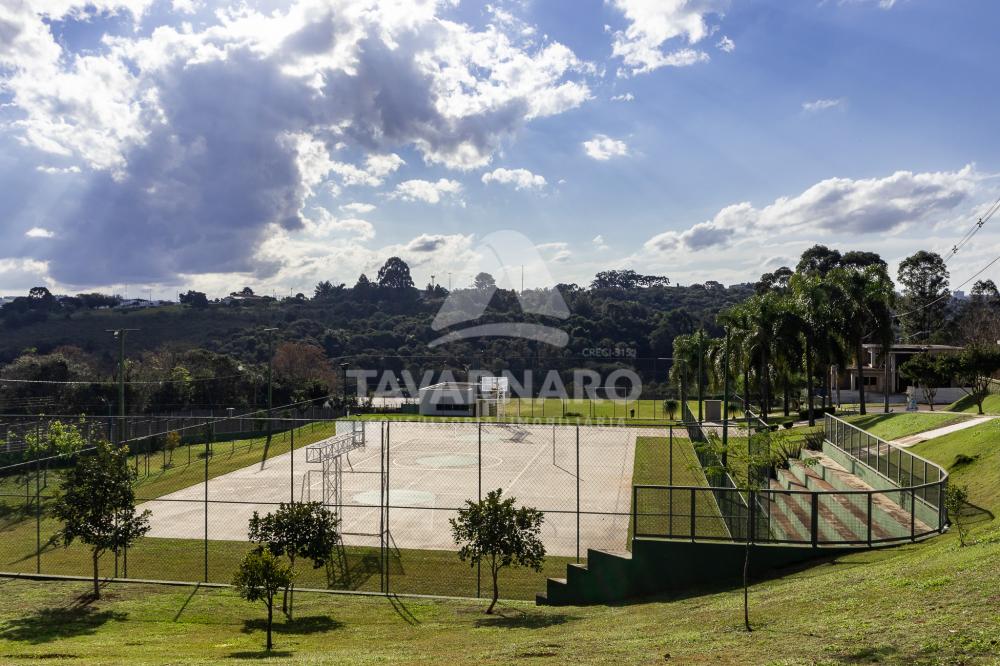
876, 375
140, 304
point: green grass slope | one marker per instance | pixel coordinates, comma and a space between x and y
903, 424
991, 405
972, 458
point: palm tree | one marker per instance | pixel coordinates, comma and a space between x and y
815, 298
868, 297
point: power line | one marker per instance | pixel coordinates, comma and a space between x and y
990, 212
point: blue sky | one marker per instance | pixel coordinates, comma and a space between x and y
171, 144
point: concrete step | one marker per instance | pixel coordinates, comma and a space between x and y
832, 526
889, 519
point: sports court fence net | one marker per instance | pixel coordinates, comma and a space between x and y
394, 493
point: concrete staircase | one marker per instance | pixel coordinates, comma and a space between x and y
818, 521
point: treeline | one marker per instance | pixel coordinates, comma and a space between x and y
801, 323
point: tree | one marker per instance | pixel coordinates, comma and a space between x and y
985, 290
866, 312
976, 365
395, 274
818, 260
484, 281
323, 290
170, 442
930, 372
494, 532
670, 406
924, 277
302, 529
776, 281
955, 499
96, 504
861, 259
41, 294
196, 299
298, 365
58, 439
259, 577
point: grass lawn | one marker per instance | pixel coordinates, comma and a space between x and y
991, 405
664, 512
927, 603
903, 424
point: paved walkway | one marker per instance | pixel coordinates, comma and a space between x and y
909, 441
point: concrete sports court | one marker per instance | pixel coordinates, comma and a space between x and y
433, 468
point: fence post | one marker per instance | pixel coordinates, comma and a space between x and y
291, 464
388, 497
814, 521
635, 511
207, 454
38, 519
913, 513
578, 493
381, 506
869, 520
479, 459
693, 515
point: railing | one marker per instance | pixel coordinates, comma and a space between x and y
906, 502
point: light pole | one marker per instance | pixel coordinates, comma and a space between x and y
120, 334
343, 371
270, 371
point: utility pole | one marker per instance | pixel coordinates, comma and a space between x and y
120, 334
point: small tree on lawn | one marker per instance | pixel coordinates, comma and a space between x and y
671, 407
303, 529
930, 372
96, 504
170, 443
259, 577
747, 463
955, 499
976, 366
494, 532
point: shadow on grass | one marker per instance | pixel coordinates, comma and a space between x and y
515, 618
52, 624
312, 624
263, 654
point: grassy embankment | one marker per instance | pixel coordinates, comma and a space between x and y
896, 425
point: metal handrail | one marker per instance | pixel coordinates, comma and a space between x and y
919, 494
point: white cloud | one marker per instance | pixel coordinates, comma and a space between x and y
521, 179
626, 97
51, 170
654, 27
866, 206
555, 252
603, 147
171, 123
726, 45
38, 232
426, 190
322, 224
822, 105
599, 243
359, 208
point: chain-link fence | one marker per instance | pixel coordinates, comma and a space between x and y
394, 494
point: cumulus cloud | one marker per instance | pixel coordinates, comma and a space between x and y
657, 28
726, 45
201, 143
626, 97
427, 191
822, 105
865, 206
57, 170
38, 232
556, 252
603, 147
358, 207
599, 242
521, 179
